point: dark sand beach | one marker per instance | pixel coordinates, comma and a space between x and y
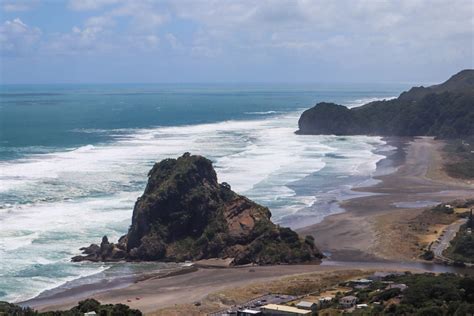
359, 233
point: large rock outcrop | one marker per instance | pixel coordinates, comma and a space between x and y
185, 214
445, 111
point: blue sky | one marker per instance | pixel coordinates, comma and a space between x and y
113, 41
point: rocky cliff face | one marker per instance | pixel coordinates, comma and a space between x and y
445, 111
185, 214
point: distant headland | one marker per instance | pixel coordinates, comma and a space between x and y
445, 111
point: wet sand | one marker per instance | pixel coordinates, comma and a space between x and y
363, 232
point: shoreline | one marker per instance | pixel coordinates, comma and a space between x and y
341, 187
93, 288
358, 234
352, 238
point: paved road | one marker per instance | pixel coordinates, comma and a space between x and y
449, 234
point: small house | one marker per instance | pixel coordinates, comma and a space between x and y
363, 281
380, 275
348, 301
90, 313
400, 286
307, 305
325, 301
248, 312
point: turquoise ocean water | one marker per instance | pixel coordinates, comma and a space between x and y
74, 158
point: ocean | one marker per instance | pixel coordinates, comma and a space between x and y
74, 159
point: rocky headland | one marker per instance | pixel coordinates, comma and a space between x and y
445, 111
185, 214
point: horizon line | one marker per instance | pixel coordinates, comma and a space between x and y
216, 83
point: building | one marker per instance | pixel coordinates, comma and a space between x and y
248, 312
380, 275
90, 313
325, 301
400, 286
362, 281
310, 306
348, 301
282, 310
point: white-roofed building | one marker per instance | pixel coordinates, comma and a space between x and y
248, 312
282, 310
311, 306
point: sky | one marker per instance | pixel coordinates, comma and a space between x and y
140, 41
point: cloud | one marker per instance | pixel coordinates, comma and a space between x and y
173, 41
139, 21
145, 15
101, 22
89, 39
85, 5
94, 36
146, 43
409, 29
17, 38
359, 35
18, 6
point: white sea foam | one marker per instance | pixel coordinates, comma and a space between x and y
65, 200
362, 101
262, 112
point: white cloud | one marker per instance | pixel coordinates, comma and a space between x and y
85, 5
18, 5
410, 30
145, 15
100, 22
89, 39
95, 36
146, 43
271, 32
17, 38
173, 41
140, 20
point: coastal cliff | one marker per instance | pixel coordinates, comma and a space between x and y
185, 214
444, 111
